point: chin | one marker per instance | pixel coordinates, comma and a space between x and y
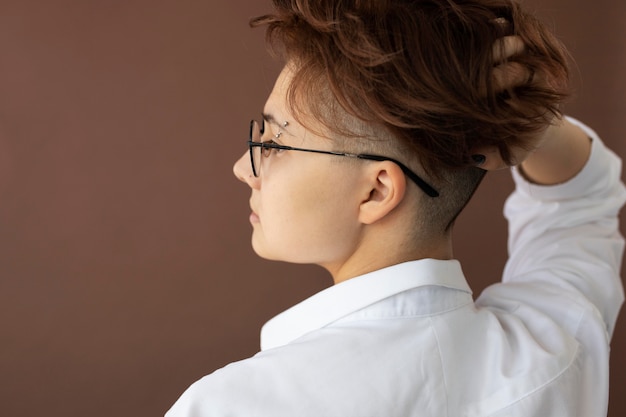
269, 255
287, 251
262, 251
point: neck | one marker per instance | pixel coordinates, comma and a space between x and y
375, 254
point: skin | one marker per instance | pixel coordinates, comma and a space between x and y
351, 217
558, 153
347, 216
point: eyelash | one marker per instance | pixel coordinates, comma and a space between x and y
269, 151
266, 152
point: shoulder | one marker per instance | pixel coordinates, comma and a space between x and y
349, 369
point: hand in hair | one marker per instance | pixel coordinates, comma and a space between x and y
555, 154
425, 73
507, 73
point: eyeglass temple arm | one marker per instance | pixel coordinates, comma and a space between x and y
430, 191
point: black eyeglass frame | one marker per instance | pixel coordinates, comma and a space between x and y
427, 188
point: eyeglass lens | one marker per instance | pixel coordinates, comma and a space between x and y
255, 151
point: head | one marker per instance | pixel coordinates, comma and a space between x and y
413, 80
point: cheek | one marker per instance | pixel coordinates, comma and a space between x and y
306, 221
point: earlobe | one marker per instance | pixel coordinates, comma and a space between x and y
387, 188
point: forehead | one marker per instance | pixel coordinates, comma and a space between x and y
334, 123
288, 104
276, 108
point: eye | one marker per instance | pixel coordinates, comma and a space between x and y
265, 151
270, 147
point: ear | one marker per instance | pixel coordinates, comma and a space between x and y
386, 189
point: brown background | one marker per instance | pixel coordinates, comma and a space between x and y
125, 266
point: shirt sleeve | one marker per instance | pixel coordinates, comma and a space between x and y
564, 240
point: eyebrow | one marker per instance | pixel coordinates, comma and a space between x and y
269, 118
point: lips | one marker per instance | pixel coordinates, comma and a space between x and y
254, 217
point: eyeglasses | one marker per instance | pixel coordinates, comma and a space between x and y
259, 149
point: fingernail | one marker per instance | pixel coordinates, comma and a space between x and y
479, 159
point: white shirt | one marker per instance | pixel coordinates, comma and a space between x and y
409, 340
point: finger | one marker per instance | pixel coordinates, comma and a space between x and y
500, 21
507, 47
510, 75
503, 26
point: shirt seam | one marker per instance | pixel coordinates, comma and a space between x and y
400, 316
543, 386
443, 374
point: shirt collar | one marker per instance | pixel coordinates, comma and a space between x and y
356, 293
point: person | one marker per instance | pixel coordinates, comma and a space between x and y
384, 120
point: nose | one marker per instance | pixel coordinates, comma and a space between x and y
243, 170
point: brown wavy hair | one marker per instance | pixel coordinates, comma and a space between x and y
418, 74
420, 68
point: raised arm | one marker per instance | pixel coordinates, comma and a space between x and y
561, 154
